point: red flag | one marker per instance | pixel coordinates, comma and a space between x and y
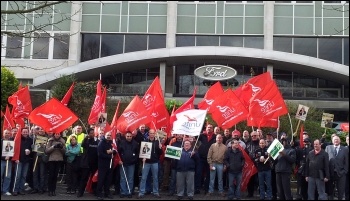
20, 122
227, 110
95, 177
249, 170
251, 87
104, 97
88, 187
301, 136
115, 117
22, 105
53, 116
344, 127
213, 92
17, 141
97, 106
2, 114
264, 122
20, 86
155, 105
268, 103
8, 122
188, 105
169, 127
66, 98
133, 116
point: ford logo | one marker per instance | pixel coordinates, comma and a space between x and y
215, 72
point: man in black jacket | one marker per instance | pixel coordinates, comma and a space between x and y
301, 155
105, 158
317, 171
129, 154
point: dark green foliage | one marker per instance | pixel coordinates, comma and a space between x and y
9, 85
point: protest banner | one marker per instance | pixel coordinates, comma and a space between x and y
173, 152
275, 148
145, 150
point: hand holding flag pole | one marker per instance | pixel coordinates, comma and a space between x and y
291, 127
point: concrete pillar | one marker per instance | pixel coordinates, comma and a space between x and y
171, 24
162, 75
268, 24
75, 38
270, 69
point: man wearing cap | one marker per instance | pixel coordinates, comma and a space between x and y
301, 154
236, 136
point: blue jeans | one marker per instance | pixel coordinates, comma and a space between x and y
6, 180
219, 167
265, 177
129, 172
21, 171
145, 171
234, 192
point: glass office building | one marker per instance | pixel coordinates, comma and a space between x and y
304, 44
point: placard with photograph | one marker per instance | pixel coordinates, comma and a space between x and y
8, 148
145, 150
275, 148
327, 120
302, 112
173, 152
102, 120
40, 144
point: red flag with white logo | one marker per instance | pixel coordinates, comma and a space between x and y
17, 141
252, 87
268, 103
301, 141
133, 116
66, 98
249, 170
8, 122
154, 102
21, 102
97, 106
227, 110
53, 116
213, 92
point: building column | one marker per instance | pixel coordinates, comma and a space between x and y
75, 37
162, 75
268, 24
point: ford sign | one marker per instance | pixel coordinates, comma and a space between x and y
215, 72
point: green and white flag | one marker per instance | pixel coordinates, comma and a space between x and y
173, 152
275, 148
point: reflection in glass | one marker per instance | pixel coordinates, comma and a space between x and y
231, 41
14, 47
156, 41
182, 41
41, 46
330, 49
254, 42
282, 44
135, 43
346, 51
91, 47
111, 44
207, 41
305, 46
61, 46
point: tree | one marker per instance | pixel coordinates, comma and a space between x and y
9, 85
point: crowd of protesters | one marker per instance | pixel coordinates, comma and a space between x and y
215, 162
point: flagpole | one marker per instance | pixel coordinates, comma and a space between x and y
83, 125
126, 179
36, 161
198, 136
14, 184
278, 128
291, 126
7, 167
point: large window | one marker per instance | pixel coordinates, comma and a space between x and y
41, 46
14, 47
61, 46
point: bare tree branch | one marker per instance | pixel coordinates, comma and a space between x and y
40, 7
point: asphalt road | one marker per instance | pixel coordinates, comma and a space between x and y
61, 195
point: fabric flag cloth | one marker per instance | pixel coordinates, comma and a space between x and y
2, 114
21, 102
114, 122
95, 177
104, 99
301, 136
20, 86
188, 105
66, 98
20, 122
213, 92
155, 105
252, 87
8, 122
17, 148
53, 116
264, 122
268, 103
190, 122
88, 187
249, 170
133, 116
169, 127
97, 106
227, 110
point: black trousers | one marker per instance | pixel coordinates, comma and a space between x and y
283, 186
104, 181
